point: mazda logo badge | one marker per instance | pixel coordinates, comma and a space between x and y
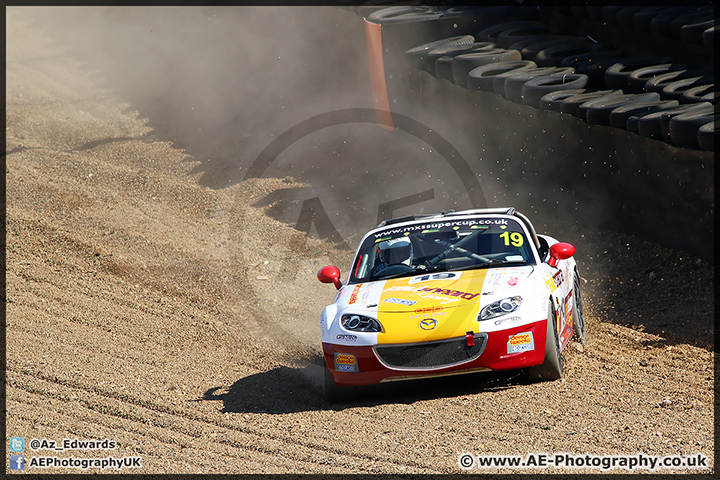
428, 323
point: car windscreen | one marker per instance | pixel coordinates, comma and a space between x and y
442, 245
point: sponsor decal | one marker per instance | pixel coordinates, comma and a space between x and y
428, 323
566, 310
354, 294
492, 281
349, 338
554, 282
450, 293
366, 294
507, 320
441, 314
428, 310
512, 281
564, 337
401, 301
558, 318
521, 342
473, 223
439, 298
400, 288
345, 362
435, 276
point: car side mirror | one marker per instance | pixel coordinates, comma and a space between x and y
330, 274
560, 251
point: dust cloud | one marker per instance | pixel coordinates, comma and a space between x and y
222, 83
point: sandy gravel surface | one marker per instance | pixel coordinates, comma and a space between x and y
182, 322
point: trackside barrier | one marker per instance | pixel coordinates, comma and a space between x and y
644, 186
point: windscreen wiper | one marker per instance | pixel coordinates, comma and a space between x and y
498, 261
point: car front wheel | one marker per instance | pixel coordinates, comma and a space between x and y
578, 315
551, 368
336, 393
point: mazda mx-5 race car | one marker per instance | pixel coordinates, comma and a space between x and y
458, 292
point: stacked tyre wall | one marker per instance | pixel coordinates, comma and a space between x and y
615, 103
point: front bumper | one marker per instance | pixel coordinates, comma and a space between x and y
513, 348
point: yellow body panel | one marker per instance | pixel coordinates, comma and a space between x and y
430, 307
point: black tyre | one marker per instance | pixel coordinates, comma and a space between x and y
616, 75
463, 64
638, 78
633, 121
552, 101
706, 137
415, 57
675, 90
703, 16
581, 59
533, 39
619, 117
553, 56
708, 37
508, 37
660, 81
513, 84
579, 327
403, 14
700, 93
660, 24
597, 112
534, 89
704, 107
650, 125
443, 67
454, 51
492, 33
642, 19
693, 32
336, 393
571, 104
596, 68
551, 368
684, 128
481, 78
530, 51
625, 15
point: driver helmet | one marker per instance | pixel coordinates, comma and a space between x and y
397, 250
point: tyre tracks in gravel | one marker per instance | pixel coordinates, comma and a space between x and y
166, 424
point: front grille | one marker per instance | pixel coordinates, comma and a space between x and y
437, 354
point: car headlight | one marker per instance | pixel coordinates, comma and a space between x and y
501, 307
360, 323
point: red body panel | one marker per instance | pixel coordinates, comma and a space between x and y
494, 357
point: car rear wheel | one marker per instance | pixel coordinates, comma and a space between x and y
578, 314
551, 368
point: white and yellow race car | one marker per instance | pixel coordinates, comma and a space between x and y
458, 292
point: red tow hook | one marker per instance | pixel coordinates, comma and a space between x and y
470, 338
